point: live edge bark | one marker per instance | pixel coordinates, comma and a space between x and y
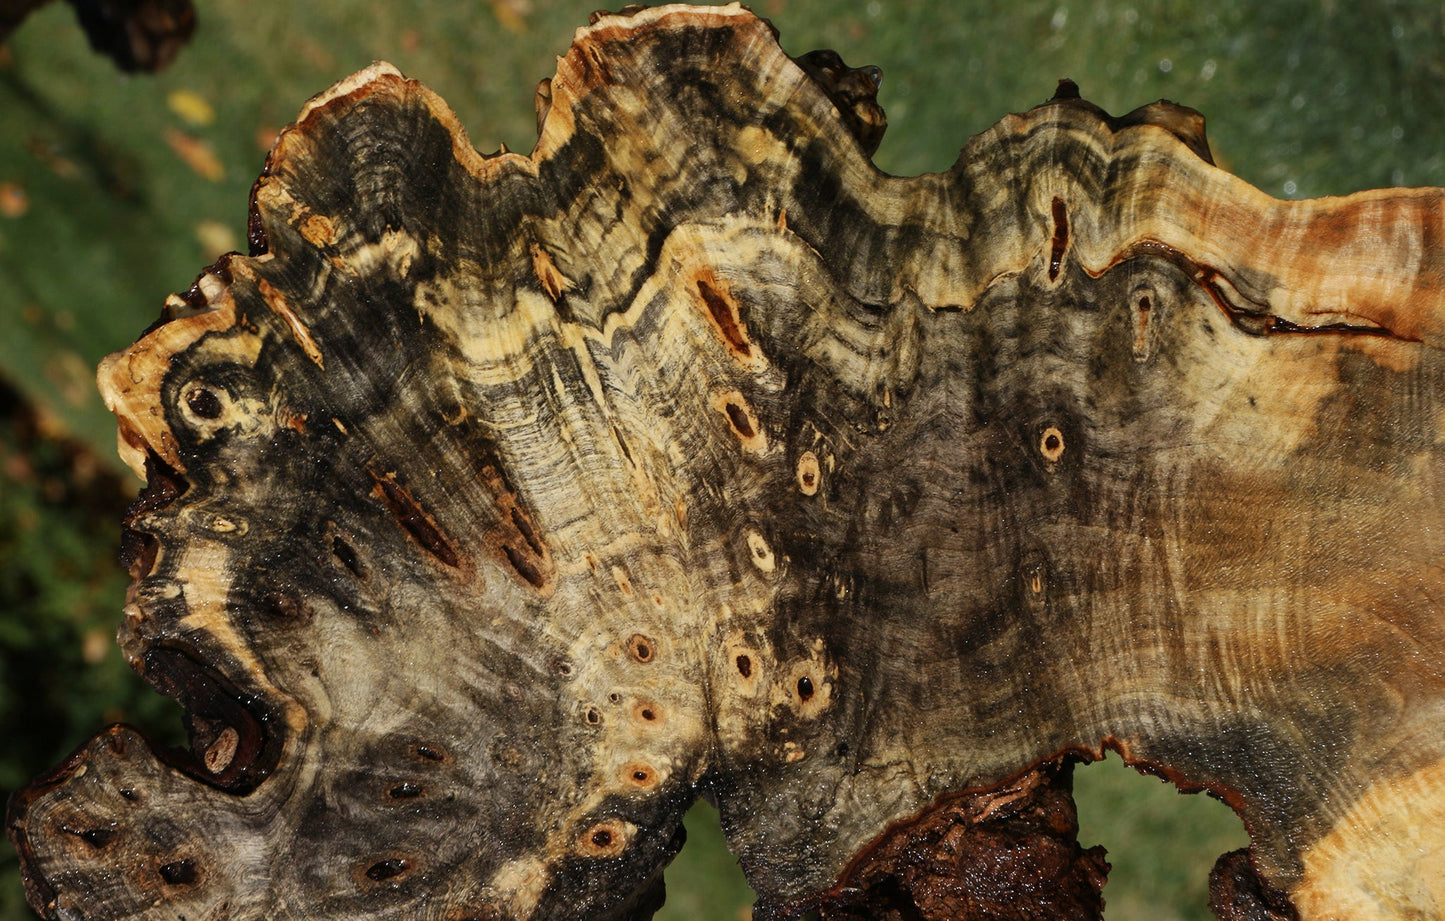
500, 507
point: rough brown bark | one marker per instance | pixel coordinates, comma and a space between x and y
1007, 854
500, 507
1236, 893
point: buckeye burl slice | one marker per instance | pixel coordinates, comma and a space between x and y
498, 508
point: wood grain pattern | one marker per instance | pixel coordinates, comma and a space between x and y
499, 507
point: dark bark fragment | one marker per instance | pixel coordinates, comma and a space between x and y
1006, 854
1236, 892
141, 35
137, 34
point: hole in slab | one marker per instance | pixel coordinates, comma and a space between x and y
741, 421
604, 839
1061, 238
430, 754
383, 870
808, 473
235, 740
281, 605
204, 403
640, 775
95, 837
705, 858
592, 716
647, 711
179, 872
346, 555
1051, 444
725, 315
1162, 843
408, 512
525, 566
805, 689
745, 666
640, 647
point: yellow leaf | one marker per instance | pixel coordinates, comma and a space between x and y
191, 107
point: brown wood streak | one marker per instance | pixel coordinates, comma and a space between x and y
500, 507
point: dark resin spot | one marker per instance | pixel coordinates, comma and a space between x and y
1061, 238
604, 839
179, 872
204, 403
725, 314
430, 754
739, 418
384, 870
346, 555
280, 605
95, 837
640, 775
640, 647
1051, 444
525, 566
805, 688
405, 790
523, 524
413, 519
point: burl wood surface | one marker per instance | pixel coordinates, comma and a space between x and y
500, 507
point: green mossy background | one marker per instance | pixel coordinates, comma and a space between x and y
115, 190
